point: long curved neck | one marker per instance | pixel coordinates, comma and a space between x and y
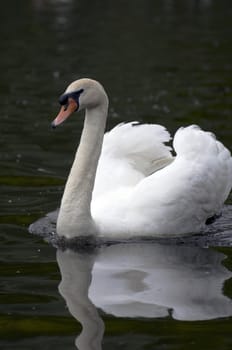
75, 216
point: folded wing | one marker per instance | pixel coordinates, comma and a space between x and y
131, 152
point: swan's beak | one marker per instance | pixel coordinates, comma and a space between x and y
65, 112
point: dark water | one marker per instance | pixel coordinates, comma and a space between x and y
161, 61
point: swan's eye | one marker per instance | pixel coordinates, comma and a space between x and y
76, 94
63, 100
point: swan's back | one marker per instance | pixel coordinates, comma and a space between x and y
177, 199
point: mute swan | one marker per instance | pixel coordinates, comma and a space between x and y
126, 183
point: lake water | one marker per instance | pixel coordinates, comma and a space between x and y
163, 61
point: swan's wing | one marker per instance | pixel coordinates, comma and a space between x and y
180, 197
140, 144
130, 152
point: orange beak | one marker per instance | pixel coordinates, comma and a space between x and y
65, 112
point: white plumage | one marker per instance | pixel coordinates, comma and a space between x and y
176, 199
127, 183
129, 153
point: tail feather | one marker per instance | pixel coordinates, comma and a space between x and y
193, 143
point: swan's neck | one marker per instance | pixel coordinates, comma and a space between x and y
75, 216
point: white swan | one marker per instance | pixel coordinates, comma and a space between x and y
126, 183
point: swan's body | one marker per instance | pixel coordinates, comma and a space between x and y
127, 183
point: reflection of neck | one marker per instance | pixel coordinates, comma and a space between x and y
75, 216
76, 272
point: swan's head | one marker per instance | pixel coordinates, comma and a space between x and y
80, 94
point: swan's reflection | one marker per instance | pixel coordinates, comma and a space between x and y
76, 272
142, 280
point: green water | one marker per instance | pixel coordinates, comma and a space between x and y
160, 61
